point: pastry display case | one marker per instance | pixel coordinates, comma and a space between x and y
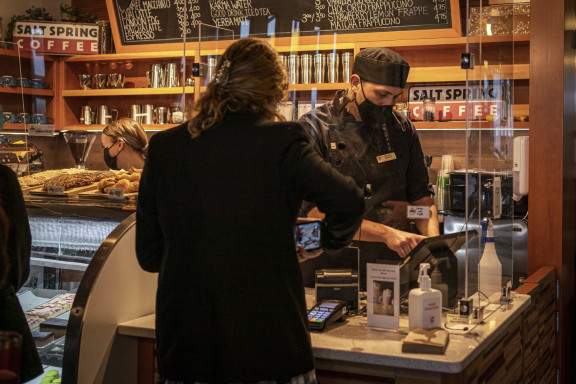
84, 279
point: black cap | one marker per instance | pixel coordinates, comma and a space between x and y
381, 66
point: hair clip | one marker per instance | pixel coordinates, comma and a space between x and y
223, 75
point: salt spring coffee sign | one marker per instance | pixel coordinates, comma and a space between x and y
455, 102
56, 38
139, 22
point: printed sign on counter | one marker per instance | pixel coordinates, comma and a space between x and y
383, 286
56, 38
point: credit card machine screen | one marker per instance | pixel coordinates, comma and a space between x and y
326, 312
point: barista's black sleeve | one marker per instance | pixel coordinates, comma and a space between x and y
334, 194
19, 239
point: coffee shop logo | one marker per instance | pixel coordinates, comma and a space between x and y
459, 101
56, 38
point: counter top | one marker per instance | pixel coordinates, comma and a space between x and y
354, 342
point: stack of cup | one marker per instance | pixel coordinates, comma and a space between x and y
319, 67
294, 68
443, 184
333, 61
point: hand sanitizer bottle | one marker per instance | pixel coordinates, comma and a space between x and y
424, 303
489, 267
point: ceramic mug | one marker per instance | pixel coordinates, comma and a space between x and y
39, 118
24, 82
9, 81
24, 118
39, 84
9, 117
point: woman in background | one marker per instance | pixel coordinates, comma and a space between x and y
218, 201
125, 144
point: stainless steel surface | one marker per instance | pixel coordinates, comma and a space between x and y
104, 115
212, 61
306, 65
101, 80
333, 63
87, 115
147, 114
294, 69
136, 113
85, 81
346, 66
156, 76
173, 75
162, 115
319, 67
114, 289
116, 80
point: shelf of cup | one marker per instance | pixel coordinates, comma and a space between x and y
125, 92
318, 86
100, 127
27, 91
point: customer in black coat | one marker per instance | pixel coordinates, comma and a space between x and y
217, 205
15, 242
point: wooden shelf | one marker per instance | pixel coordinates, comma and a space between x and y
455, 73
27, 91
461, 125
129, 56
100, 127
319, 87
125, 92
447, 41
25, 55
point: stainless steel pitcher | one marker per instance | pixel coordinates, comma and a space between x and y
156, 76
136, 113
87, 115
172, 75
162, 115
148, 114
104, 116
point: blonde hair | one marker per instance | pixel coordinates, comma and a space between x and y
249, 77
130, 131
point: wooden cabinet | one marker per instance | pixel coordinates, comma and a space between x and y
135, 91
18, 99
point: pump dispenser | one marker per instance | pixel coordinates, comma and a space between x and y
424, 303
489, 268
436, 277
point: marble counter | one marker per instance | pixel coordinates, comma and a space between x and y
354, 342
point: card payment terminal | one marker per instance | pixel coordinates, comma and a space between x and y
326, 312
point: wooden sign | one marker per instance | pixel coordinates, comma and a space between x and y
164, 22
56, 38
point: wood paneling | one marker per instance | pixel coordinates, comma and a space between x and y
551, 204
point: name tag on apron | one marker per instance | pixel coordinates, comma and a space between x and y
386, 157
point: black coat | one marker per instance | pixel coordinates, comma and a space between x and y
19, 241
215, 218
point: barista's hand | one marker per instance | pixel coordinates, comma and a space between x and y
305, 255
402, 242
397, 217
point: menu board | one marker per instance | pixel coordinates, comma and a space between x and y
169, 21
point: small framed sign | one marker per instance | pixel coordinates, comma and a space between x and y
116, 193
383, 286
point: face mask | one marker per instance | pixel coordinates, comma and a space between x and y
111, 161
373, 114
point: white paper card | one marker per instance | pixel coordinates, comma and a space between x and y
418, 212
383, 286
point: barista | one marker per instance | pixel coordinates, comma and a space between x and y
362, 136
125, 144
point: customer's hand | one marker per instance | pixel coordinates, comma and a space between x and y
306, 255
